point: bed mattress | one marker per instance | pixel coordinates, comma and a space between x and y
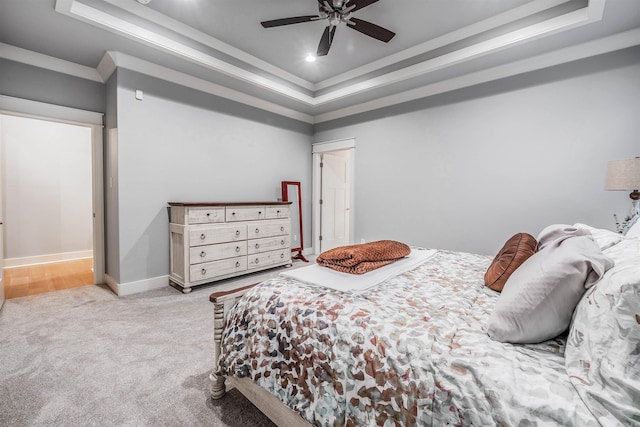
412, 350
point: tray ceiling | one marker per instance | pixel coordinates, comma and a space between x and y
220, 47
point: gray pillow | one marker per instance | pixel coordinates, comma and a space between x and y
538, 299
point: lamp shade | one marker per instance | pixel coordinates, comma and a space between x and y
623, 174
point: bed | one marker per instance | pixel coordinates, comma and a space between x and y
414, 349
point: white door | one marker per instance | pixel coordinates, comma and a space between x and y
335, 199
1, 226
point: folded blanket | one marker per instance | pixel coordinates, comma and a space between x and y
359, 259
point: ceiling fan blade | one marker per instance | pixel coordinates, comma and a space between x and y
325, 6
371, 30
359, 4
289, 21
325, 41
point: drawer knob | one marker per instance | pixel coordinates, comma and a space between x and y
281, 255
259, 212
282, 242
203, 254
278, 212
282, 228
237, 264
203, 271
237, 232
237, 248
233, 214
257, 230
208, 214
257, 260
202, 236
257, 245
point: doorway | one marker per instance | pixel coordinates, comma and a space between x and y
51, 172
333, 193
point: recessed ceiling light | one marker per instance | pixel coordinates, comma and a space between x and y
144, 1
310, 58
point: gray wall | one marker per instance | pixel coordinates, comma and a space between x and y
46, 175
37, 84
467, 170
111, 209
182, 145
462, 171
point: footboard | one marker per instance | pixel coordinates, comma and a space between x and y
267, 403
222, 304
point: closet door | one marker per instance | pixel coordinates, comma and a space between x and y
335, 209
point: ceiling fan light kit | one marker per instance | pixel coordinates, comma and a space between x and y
337, 12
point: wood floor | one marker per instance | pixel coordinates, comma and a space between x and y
41, 278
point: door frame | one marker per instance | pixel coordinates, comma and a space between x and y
316, 213
19, 107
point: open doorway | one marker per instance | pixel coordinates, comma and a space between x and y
48, 180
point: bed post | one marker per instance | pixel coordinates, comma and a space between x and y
222, 304
217, 381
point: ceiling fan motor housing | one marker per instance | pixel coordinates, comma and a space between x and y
336, 18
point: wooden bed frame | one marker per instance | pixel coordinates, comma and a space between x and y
266, 402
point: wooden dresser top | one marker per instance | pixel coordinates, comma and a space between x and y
192, 204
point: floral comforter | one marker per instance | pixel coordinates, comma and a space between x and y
410, 351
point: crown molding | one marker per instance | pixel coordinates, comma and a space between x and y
113, 60
51, 63
487, 24
533, 32
37, 110
444, 40
121, 27
158, 18
88, 14
120, 60
585, 50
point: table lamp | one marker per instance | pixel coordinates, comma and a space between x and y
624, 175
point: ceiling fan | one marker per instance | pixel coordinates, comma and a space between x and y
337, 11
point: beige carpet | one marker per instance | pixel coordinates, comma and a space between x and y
85, 357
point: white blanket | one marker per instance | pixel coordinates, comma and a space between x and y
323, 276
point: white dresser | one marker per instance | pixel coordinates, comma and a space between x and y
215, 241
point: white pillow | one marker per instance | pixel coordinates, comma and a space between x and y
604, 238
538, 299
602, 354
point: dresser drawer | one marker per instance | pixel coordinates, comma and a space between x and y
277, 212
219, 234
245, 213
270, 228
268, 244
208, 253
267, 259
209, 270
206, 215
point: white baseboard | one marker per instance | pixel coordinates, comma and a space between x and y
122, 289
159, 282
44, 259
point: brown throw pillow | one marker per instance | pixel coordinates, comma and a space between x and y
514, 252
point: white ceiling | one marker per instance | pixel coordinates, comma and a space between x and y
219, 46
